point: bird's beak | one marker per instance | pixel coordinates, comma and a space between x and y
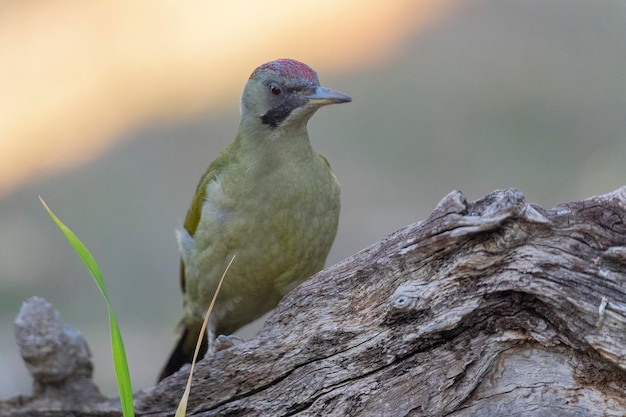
322, 96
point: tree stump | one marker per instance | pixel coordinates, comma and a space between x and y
491, 308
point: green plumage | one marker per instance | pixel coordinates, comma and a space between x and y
269, 198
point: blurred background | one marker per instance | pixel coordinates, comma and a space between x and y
112, 110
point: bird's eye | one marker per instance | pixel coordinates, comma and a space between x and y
274, 89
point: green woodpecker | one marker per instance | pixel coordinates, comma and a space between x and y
269, 199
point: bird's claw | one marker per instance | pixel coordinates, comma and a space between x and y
223, 342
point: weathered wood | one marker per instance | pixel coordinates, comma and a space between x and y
494, 307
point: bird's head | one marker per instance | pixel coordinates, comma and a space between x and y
284, 94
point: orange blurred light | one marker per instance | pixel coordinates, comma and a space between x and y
74, 75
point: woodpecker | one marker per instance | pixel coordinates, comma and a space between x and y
269, 198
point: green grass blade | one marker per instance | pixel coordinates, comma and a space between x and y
120, 363
117, 344
82, 252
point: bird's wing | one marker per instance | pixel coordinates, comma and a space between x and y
195, 210
323, 158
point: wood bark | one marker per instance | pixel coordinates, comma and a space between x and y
495, 307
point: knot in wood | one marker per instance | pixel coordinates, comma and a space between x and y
407, 297
408, 303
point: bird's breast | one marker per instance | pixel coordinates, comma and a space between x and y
280, 225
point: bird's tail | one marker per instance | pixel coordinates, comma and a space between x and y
183, 351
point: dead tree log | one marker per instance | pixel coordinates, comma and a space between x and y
491, 308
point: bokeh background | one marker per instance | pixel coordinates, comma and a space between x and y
112, 110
